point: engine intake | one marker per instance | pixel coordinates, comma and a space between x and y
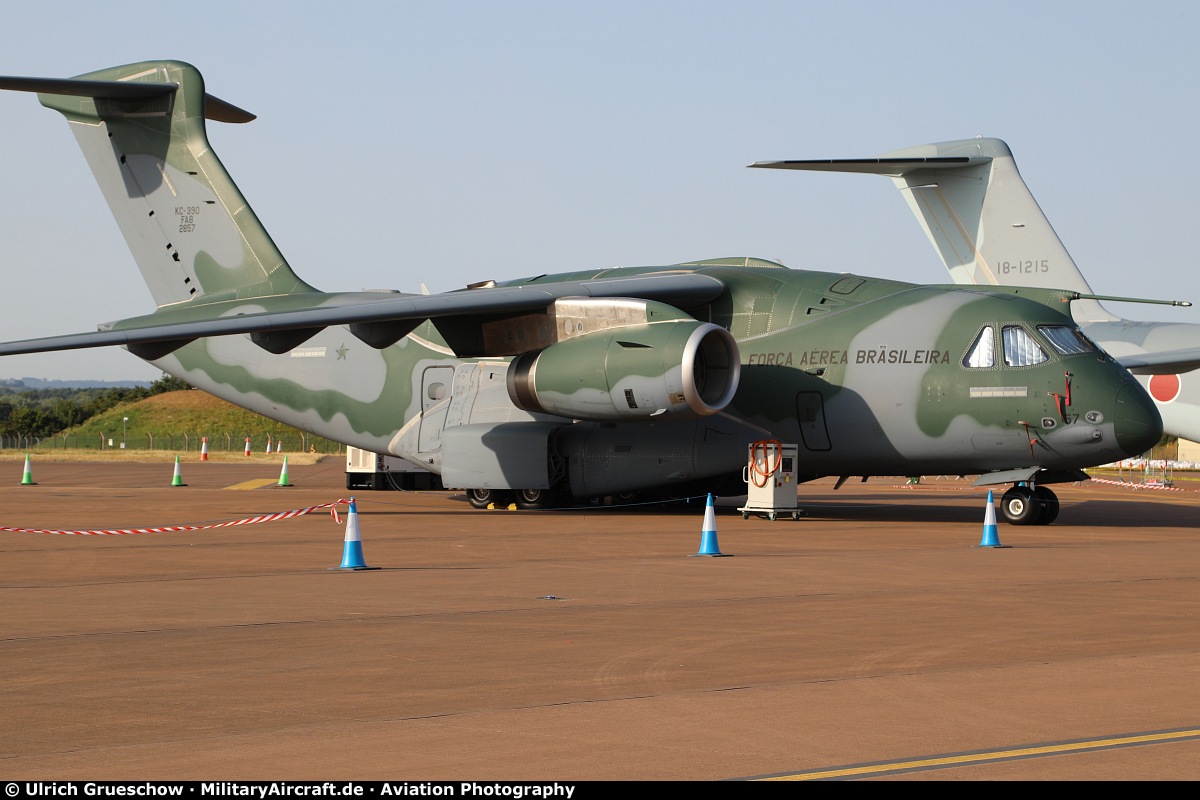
682, 369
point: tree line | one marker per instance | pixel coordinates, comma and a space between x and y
45, 412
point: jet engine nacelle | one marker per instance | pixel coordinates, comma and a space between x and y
681, 369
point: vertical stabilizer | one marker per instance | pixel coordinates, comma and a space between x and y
978, 214
142, 129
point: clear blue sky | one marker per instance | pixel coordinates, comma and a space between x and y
452, 141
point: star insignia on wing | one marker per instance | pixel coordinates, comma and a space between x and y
341, 351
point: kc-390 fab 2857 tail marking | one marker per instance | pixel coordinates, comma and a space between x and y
651, 379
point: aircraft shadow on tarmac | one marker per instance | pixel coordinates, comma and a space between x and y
1119, 512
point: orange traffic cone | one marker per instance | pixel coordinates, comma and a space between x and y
247, 445
204, 449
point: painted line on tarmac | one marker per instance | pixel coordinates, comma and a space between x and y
257, 483
987, 756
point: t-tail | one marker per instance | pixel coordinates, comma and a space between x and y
142, 129
978, 213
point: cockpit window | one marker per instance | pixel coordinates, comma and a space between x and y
983, 351
1020, 348
1067, 340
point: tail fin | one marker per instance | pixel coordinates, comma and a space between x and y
142, 129
978, 213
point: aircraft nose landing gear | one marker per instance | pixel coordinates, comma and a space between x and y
1027, 505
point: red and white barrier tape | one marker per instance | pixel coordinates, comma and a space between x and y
298, 512
1127, 485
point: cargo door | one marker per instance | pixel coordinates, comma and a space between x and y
810, 413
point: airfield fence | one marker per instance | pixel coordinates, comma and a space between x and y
225, 442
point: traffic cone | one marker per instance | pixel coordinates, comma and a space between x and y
352, 553
990, 537
204, 449
27, 478
283, 476
247, 445
279, 445
268, 450
178, 479
708, 537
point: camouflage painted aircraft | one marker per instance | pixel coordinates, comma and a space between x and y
988, 230
656, 380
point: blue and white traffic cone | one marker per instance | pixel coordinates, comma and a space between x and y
708, 536
990, 537
352, 553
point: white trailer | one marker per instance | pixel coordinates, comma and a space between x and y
367, 470
770, 476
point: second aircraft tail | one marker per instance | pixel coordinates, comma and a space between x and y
978, 213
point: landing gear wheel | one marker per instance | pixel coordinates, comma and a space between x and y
1021, 506
482, 498
1049, 502
535, 498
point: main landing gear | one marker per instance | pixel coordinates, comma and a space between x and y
1029, 505
482, 498
501, 498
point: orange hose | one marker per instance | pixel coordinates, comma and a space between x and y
755, 470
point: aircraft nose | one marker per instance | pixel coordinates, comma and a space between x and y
1136, 422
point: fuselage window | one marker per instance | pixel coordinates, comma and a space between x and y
983, 351
1020, 348
1067, 340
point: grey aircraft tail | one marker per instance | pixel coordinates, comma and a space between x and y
978, 213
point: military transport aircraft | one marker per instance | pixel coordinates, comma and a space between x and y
988, 230
655, 379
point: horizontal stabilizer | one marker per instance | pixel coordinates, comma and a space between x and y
893, 167
215, 108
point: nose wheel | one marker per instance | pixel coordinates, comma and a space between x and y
1049, 501
1025, 505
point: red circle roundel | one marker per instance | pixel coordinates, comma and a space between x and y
1164, 388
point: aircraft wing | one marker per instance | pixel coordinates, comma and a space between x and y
158, 334
1166, 362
